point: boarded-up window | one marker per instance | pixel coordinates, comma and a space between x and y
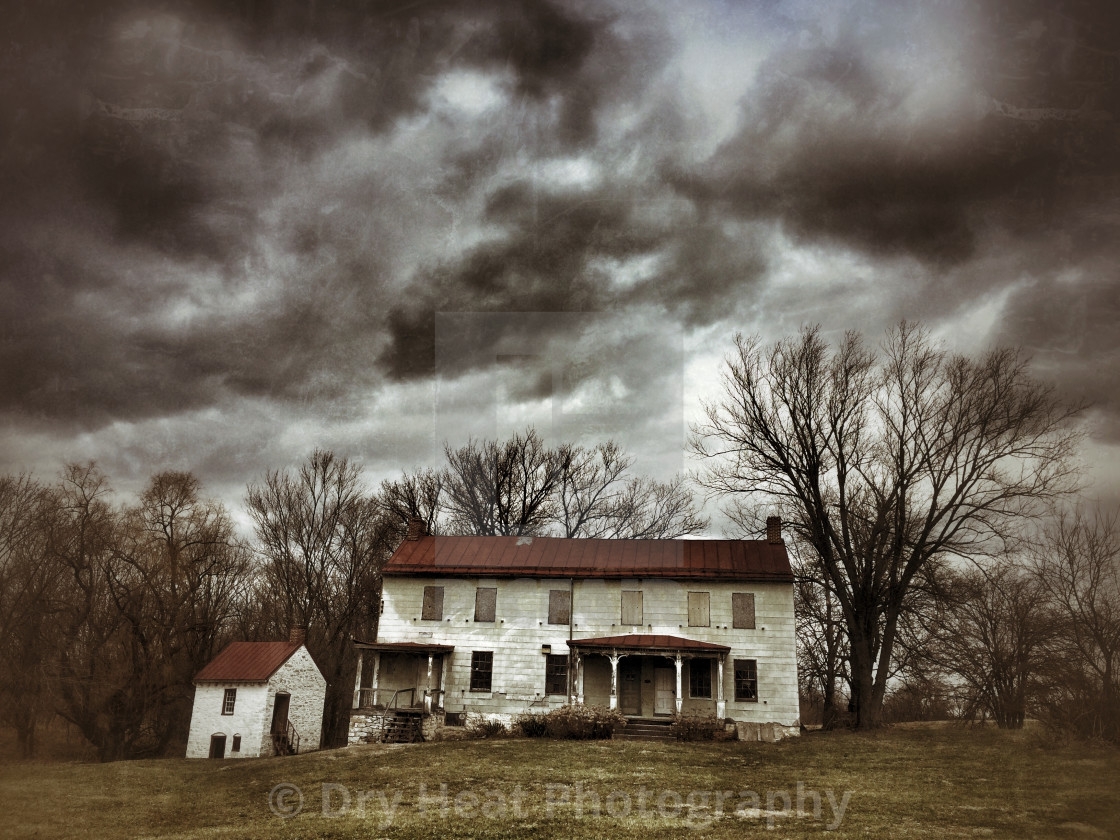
559, 606
433, 604
482, 670
556, 674
632, 608
700, 678
229, 698
699, 609
485, 601
742, 610
746, 680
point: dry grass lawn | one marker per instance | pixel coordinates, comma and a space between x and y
916, 781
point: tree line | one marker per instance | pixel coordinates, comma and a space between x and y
108, 610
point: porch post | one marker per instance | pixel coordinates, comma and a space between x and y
680, 667
358, 682
428, 688
614, 679
721, 704
579, 677
376, 673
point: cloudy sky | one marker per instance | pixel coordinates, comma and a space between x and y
236, 231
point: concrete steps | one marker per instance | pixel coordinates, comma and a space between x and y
645, 729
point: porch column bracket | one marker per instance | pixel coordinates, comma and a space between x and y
358, 682
680, 667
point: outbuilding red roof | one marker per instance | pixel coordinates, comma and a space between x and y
739, 560
643, 641
247, 662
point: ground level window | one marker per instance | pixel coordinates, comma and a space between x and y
746, 680
482, 670
699, 678
228, 701
236, 743
556, 674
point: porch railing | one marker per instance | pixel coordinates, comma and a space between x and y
375, 698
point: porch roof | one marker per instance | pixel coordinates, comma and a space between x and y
648, 643
404, 647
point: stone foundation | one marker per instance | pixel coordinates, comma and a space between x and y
769, 732
366, 727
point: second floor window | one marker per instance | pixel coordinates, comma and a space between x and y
559, 606
228, 701
485, 602
556, 674
433, 604
632, 607
482, 670
742, 610
699, 609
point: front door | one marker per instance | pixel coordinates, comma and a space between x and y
217, 746
664, 683
630, 690
280, 714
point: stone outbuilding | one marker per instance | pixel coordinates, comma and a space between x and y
258, 699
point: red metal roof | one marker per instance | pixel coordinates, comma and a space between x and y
404, 647
247, 662
644, 641
748, 560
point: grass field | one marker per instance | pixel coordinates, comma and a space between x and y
908, 781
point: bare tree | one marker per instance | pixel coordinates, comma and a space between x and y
417, 495
1077, 563
323, 541
505, 488
887, 463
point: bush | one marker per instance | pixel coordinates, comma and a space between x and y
531, 726
488, 729
579, 723
700, 728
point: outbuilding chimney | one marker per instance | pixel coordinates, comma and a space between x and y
774, 530
417, 528
298, 634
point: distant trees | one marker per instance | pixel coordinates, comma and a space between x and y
322, 539
886, 462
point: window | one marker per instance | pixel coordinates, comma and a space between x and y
742, 610
559, 606
482, 670
699, 678
556, 674
228, 700
746, 680
699, 609
433, 604
236, 743
632, 607
485, 600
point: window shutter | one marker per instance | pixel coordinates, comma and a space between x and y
485, 603
699, 604
632, 607
433, 603
742, 610
559, 606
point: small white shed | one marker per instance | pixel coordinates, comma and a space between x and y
257, 699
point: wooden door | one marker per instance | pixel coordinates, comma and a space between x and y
665, 688
630, 688
280, 714
217, 746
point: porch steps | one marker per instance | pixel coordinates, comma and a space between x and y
402, 726
645, 729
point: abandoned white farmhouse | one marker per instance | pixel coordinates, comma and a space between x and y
494, 627
256, 699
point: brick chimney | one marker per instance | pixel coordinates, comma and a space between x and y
417, 528
298, 634
774, 530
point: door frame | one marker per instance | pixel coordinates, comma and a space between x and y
218, 745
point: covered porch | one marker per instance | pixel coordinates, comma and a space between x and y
400, 675
649, 676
